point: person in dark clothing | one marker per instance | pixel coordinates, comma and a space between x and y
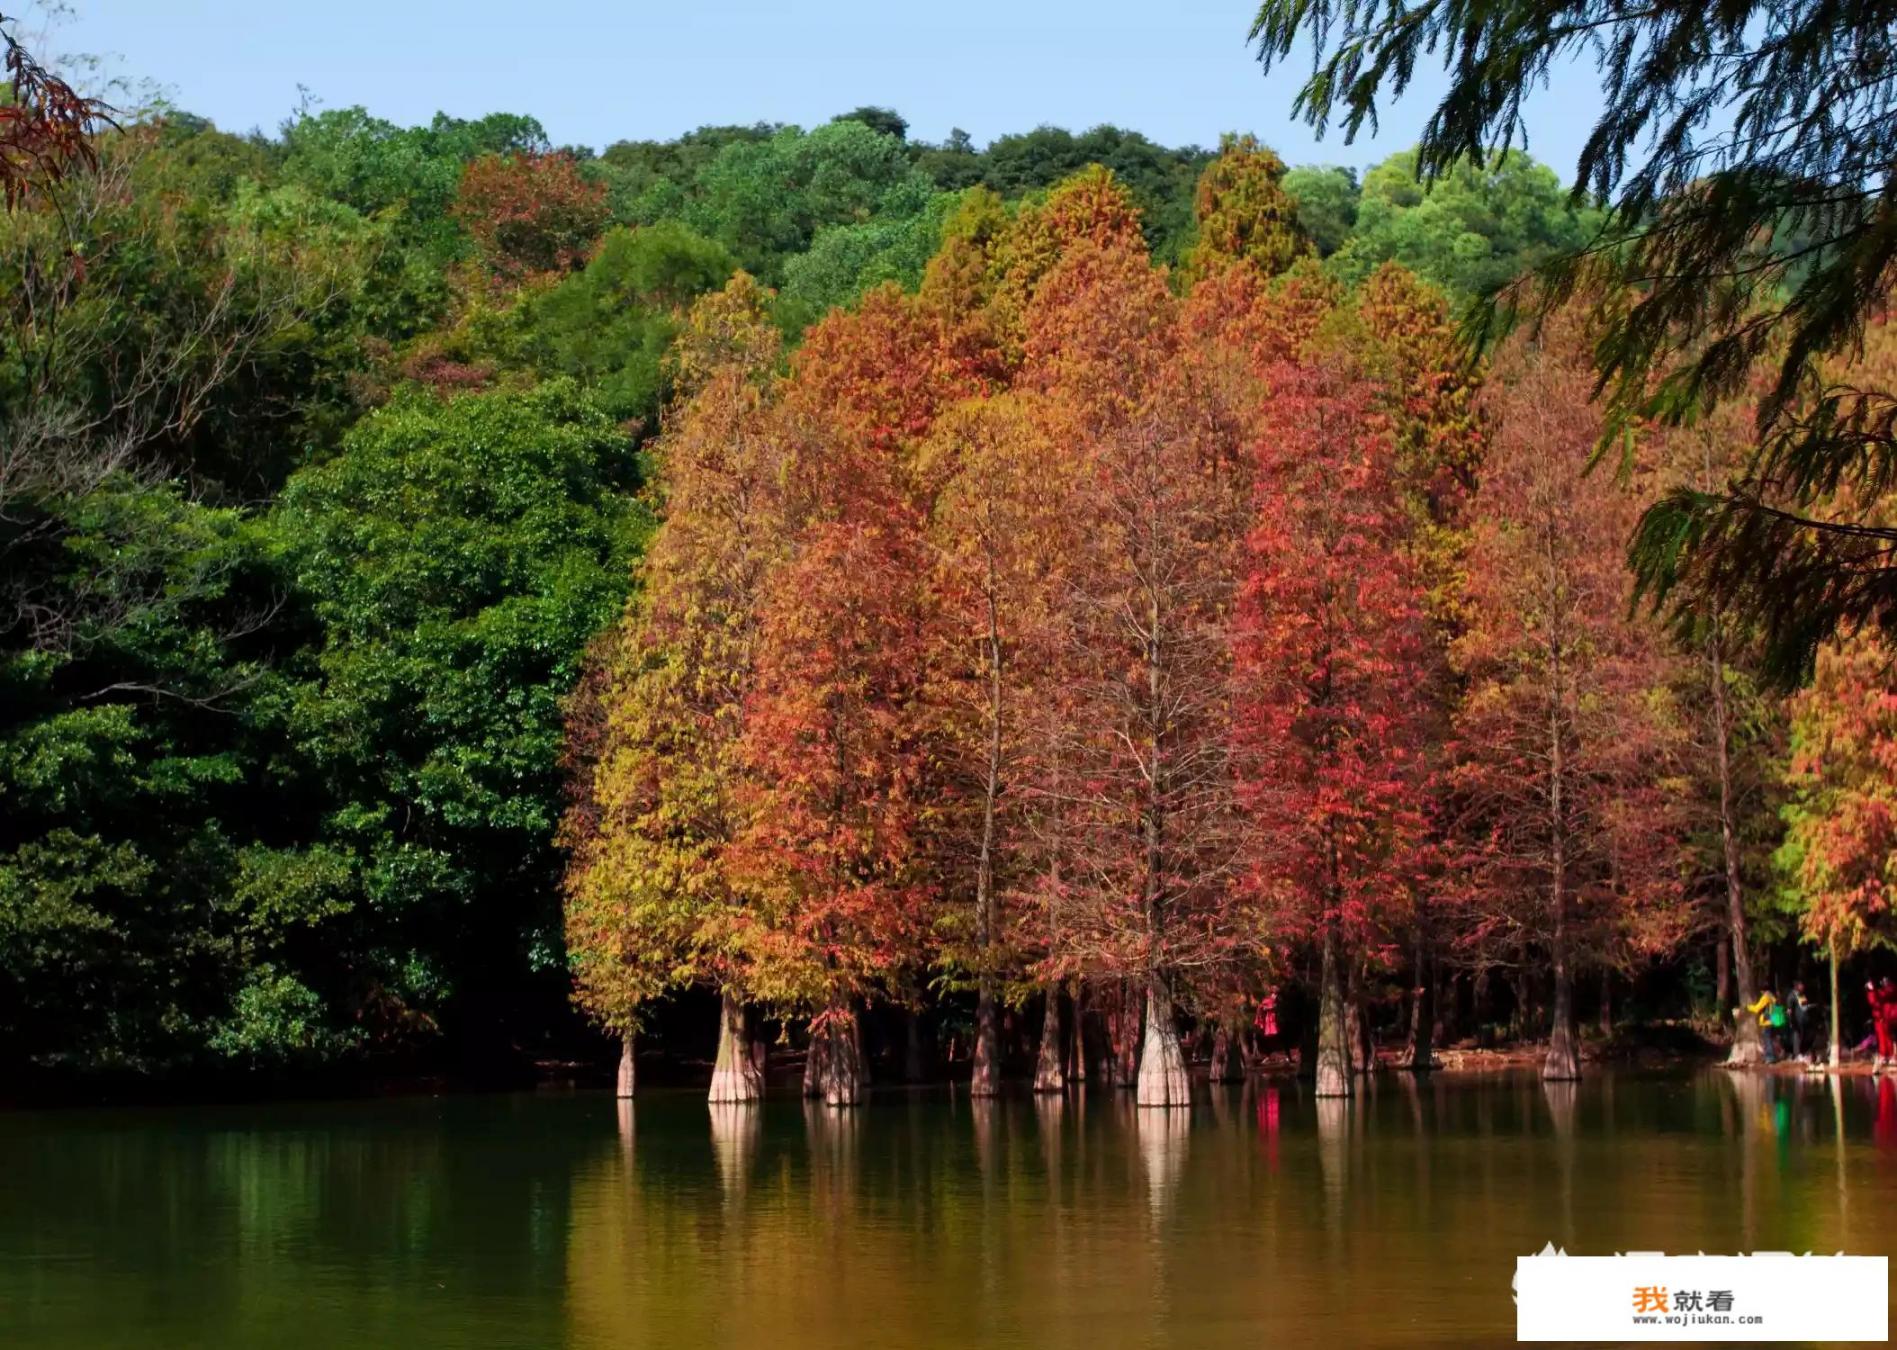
1798, 1015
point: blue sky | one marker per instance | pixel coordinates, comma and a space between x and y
598, 72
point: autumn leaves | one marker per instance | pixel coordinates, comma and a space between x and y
1022, 633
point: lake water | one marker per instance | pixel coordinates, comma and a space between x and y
921, 1219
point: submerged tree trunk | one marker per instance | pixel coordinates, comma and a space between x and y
1078, 1073
1563, 1063
1837, 1039
628, 1074
816, 1064
1479, 1004
842, 1072
1722, 975
1162, 1071
1746, 1049
1228, 1053
1048, 1073
1423, 1005
986, 1079
1358, 1033
735, 1076
1333, 1052
1126, 1044
912, 1056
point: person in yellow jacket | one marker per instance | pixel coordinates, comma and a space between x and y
1771, 1017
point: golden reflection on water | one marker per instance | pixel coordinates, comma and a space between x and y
1391, 1217
921, 1219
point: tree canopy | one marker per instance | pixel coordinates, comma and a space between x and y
1744, 156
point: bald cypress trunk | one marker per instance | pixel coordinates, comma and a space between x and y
1048, 1073
912, 1056
1357, 1034
1564, 1054
1747, 1051
1333, 1050
628, 1074
735, 1076
842, 1074
1423, 1001
986, 1078
1228, 1053
815, 1064
1080, 1070
1162, 1072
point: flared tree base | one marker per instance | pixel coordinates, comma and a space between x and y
735, 1077
1163, 1081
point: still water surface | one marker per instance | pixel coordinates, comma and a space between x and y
921, 1219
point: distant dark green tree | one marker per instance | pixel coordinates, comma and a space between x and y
1726, 127
886, 120
953, 165
1162, 180
766, 200
844, 261
143, 892
648, 181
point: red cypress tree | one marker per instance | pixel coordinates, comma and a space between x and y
1564, 740
1331, 672
835, 758
1144, 656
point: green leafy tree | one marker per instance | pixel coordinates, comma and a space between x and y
885, 120
1471, 231
844, 261
766, 200
648, 181
955, 164
141, 887
611, 326
457, 556
1327, 203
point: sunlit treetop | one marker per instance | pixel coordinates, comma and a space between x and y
1244, 212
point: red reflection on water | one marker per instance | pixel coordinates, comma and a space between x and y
1268, 1125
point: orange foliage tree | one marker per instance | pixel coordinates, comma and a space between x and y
1565, 743
530, 214
1333, 694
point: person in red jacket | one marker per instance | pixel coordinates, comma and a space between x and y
1880, 1024
1887, 1021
